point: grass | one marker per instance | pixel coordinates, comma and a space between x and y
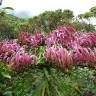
52, 82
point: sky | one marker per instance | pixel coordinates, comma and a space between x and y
35, 7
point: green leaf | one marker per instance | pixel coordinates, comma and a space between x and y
0, 3
37, 91
41, 60
6, 75
2, 12
9, 8
8, 93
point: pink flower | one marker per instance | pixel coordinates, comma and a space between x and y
62, 35
59, 56
32, 40
14, 55
87, 39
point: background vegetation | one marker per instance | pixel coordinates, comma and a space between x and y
46, 80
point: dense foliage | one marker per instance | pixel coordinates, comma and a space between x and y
42, 54
45, 22
52, 54
53, 82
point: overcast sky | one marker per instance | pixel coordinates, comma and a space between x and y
35, 7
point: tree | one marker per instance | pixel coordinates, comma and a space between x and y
93, 10
68, 14
49, 20
88, 16
1, 2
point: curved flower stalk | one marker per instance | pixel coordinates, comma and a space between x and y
32, 40
62, 35
6, 46
76, 48
59, 56
15, 56
23, 37
21, 60
80, 55
63, 58
84, 55
87, 39
51, 39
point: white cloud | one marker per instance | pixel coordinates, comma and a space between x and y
36, 7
